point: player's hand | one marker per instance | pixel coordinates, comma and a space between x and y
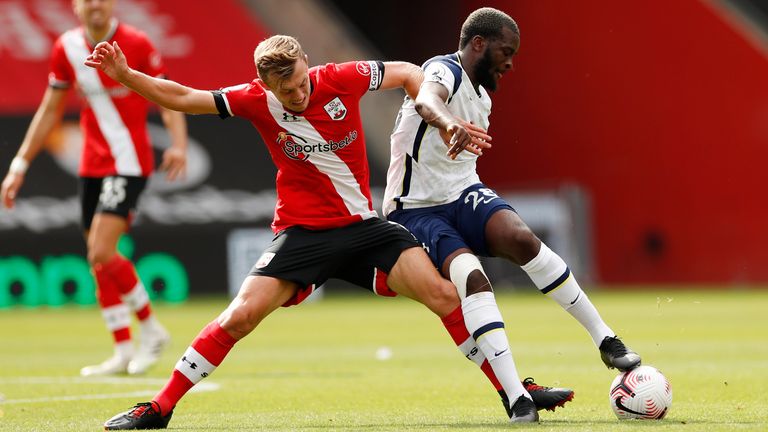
463, 135
108, 58
174, 163
10, 188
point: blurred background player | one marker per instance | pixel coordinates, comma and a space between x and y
439, 197
325, 226
114, 167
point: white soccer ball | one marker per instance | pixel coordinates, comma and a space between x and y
642, 393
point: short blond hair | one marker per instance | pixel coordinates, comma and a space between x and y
277, 56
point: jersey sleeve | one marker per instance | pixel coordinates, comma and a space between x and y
358, 76
60, 75
236, 100
443, 72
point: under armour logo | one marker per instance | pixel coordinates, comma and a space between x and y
472, 353
290, 117
192, 365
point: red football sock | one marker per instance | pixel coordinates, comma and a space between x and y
488, 371
123, 273
115, 313
454, 323
201, 358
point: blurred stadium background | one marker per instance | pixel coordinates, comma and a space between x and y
631, 136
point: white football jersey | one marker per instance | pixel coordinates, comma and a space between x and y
420, 173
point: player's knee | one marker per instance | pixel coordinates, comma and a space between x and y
443, 298
477, 282
98, 255
522, 245
239, 320
467, 274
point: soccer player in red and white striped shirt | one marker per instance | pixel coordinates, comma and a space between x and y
116, 162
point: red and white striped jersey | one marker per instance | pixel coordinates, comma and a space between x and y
113, 119
322, 167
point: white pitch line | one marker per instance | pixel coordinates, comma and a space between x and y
81, 380
78, 397
200, 387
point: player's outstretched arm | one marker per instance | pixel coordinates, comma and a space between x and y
458, 134
109, 58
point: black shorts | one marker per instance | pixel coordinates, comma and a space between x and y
117, 195
362, 253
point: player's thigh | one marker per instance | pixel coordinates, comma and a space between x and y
372, 248
90, 190
103, 236
415, 276
117, 201
508, 236
477, 212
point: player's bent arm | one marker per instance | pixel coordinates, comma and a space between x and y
430, 104
403, 75
458, 134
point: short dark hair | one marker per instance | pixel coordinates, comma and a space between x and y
486, 22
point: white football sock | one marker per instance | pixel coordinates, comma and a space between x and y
124, 349
552, 277
486, 326
151, 325
137, 298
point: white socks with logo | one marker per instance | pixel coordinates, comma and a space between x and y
553, 278
486, 326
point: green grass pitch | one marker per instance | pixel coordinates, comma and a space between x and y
314, 367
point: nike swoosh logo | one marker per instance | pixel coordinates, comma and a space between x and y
577, 297
621, 406
496, 354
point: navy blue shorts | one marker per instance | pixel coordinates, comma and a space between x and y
446, 228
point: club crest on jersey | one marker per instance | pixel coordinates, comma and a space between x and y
437, 75
265, 259
363, 68
336, 109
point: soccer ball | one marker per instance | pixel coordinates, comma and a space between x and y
642, 393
